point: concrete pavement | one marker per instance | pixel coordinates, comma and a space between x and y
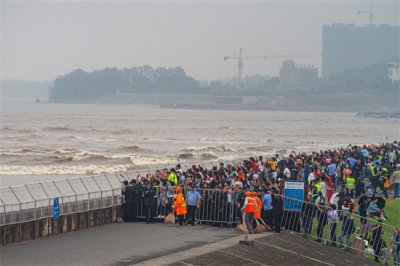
114, 244
161, 244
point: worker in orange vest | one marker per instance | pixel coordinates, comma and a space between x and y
179, 205
257, 214
249, 208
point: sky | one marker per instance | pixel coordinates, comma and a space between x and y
41, 40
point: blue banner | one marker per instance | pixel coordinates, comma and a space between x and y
56, 208
293, 195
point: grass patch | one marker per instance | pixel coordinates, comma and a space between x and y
392, 211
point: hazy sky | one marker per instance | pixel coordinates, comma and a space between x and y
43, 39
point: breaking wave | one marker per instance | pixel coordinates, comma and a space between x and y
64, 128
218, 148
128, 149
56, 170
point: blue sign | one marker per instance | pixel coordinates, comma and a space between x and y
293, 195
56, 208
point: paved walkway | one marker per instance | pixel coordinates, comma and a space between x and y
160, 244
115, 244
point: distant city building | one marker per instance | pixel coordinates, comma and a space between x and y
393, 71
291, 75
345, 46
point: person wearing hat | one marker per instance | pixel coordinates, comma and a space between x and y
249, 208
193, 202
179, 205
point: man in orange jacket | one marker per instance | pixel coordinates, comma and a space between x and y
179, 205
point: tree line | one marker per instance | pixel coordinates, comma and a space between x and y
83, 86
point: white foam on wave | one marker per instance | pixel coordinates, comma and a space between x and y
142, 160
59, 170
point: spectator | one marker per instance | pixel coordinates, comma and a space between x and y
333, 220
377, 242
267, 209
396, 182
347, 229
395, 244
321, 215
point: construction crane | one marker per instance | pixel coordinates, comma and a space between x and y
240, 58
371, 13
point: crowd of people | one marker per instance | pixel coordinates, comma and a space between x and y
341, 185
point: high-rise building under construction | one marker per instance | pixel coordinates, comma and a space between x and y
346, 46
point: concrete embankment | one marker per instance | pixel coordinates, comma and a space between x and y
40, 228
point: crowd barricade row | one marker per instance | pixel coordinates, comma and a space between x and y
26, 212
215, 207
355, 233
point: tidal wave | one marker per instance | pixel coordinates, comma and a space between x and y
58, 170
128, 149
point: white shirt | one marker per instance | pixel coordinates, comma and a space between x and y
311, 177
286, 172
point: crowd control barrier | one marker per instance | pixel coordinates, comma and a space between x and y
43, 209
364, 236
36, 210
216, 206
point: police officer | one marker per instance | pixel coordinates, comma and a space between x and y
128, 202
193, 202
136, 199
148, 198
277, 204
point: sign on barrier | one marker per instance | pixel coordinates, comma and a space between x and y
56, 208
294, 195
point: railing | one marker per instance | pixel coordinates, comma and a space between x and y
34, 201
19, 204
365, 236
216, 206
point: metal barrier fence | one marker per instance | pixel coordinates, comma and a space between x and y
34, 201
362, 235
19, 204
216, 206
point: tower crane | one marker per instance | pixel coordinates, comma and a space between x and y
371, 13
240, 58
